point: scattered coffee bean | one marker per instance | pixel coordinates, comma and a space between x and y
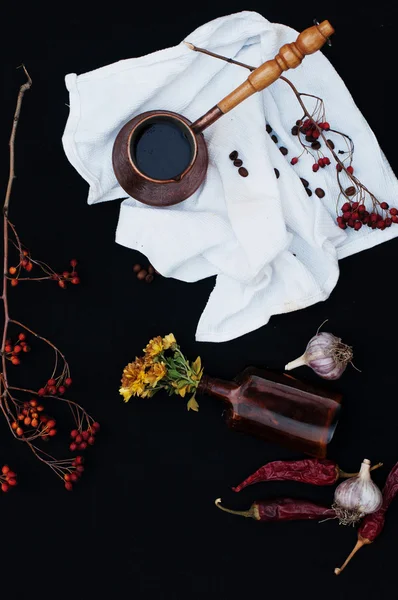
274, 139
304, 182
350, 191
149, 278
243, 172
233, 155
151, 270
295, 130
319, 192
299, 122
142, 274
268, 128
303, 129
137, 268
330, 144
283, 150
316, 145
277, 173
308, 191
238, 162
309, 138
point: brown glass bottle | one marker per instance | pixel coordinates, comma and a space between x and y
278, 408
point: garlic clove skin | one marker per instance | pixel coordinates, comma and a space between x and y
357, 496
326, 355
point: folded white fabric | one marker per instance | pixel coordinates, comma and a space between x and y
273, 249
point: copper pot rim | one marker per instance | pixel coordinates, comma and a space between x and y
169, 115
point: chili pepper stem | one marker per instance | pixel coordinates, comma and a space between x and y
344, 475
299, 362
361, 542
243, 513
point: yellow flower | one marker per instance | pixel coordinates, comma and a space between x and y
154, 346
133, 379
169, 340
155, 373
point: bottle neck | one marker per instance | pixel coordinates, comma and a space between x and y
219, 388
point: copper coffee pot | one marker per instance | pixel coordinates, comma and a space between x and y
146, 149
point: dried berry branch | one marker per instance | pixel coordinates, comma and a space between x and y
26, 418
312, 127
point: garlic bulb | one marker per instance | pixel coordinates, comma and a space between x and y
326, 355
357, 496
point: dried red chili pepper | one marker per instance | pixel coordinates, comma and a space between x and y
282, 509
310, 470
372, 525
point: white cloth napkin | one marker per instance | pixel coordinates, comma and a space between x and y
273, 248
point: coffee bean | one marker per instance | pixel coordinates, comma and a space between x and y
277, 173
283, 150
308, 191
319, 192
274, 139
233, 155
309, 138
350, 191
142, 274
137, 268
151, 270
268, 128
316, 145
295, 130
330, 144
238, 162
149, 278
243, 172
304, 182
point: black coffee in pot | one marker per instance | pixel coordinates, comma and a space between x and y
162, 148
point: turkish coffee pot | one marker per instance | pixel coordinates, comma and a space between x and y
160, 157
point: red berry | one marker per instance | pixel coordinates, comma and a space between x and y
8, 348
79, 460
326, 161
68, 381
339, 167
315, 167
91, 440
394, 219
4, 487
350, 169
373, 218
74, 433
347, 215
29, 267
80, 468
384, 206
19, 431
350, 223
340, 220
52, 390
315, 134
381, 224
326, 126
388, 222
68, 486
379, 217
74, 477
78, 439
34, 423
17, 349
14, 282
12, 270
355, 216
67, 477
72, 447
61, 390
26, 348
355, 205
393, 211
5, 469
357, 225
361, 208
12, 482
96, 426
51, 382
294, 160
66, 274
73, 262
15, 360
27, 421
320, 162
62, 284
75, 280
346, 207
365, 220
85, 435
83, 446
52, 432
22, 336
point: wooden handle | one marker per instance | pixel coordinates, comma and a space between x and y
290, 56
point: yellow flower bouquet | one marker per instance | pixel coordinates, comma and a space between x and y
162, 367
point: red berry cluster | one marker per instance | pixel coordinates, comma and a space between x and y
55, 387
8, 478
82, 439
310, 129
30, 421
322, 162
13, 350
355, 215
67, 277
24, 263
74, 473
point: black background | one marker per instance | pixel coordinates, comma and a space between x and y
142, 522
